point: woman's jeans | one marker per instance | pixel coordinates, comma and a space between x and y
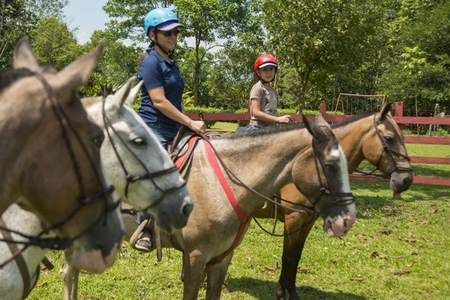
164, 136
252, 127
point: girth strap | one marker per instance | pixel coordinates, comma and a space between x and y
245, 220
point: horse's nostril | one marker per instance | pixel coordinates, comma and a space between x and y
186, 209
407, 181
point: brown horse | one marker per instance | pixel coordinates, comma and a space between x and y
50, 162
374, 137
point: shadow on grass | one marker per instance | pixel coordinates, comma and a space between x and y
265, 290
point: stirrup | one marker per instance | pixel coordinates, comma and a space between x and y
134, 237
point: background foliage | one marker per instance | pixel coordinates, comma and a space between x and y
399, 48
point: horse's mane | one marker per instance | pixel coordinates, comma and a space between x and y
291, 126
90, 101
352, 119
7, 77
266, 130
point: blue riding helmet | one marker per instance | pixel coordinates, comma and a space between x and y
161, 18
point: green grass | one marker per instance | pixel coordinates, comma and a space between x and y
428, 150
226, 126
411, 234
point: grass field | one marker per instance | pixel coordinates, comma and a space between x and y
397, 249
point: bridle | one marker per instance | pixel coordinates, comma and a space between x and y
57, 243
341, 198
392, 154
134, 178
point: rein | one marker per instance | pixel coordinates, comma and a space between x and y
134, 178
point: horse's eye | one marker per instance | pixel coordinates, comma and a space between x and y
98, 140
139, 142
388, 138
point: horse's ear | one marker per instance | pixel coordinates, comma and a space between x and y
321, 121
77, 73
24, 56
307, 123
122, 94
317, 128
133, 93
384, 110
89, 101
310, 126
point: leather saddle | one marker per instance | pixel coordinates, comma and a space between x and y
181, 148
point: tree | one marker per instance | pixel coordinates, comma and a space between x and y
316, 38
19, 18
117, 64
208, 22
54, 44
230, 79
126, 18
418, 72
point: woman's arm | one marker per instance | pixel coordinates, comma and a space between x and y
169, 110
260, 115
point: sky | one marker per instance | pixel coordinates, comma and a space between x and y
87, 16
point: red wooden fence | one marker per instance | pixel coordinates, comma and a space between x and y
398, 117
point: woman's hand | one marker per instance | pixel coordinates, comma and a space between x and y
284, 119
197, 126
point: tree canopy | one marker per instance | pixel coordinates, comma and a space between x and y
399, 48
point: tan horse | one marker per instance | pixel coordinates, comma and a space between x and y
50, 162
255, 165
374, 137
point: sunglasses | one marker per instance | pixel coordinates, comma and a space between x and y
169, 33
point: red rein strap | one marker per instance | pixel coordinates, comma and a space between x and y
245, 220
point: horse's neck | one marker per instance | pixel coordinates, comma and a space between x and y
19, 127
351, 138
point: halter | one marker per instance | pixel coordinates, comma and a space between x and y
342, 199
58, 243
133, 178
392, 154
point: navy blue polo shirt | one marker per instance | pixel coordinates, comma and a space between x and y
156, 72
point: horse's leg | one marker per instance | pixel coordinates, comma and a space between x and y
216, 278
70, 277
193, 274
292, 252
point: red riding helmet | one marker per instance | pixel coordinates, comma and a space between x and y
263, 61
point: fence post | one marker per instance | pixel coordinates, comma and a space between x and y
398, 111
323, 108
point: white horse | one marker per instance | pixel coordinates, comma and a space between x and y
137, 165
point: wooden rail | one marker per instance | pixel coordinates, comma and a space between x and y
398, 117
